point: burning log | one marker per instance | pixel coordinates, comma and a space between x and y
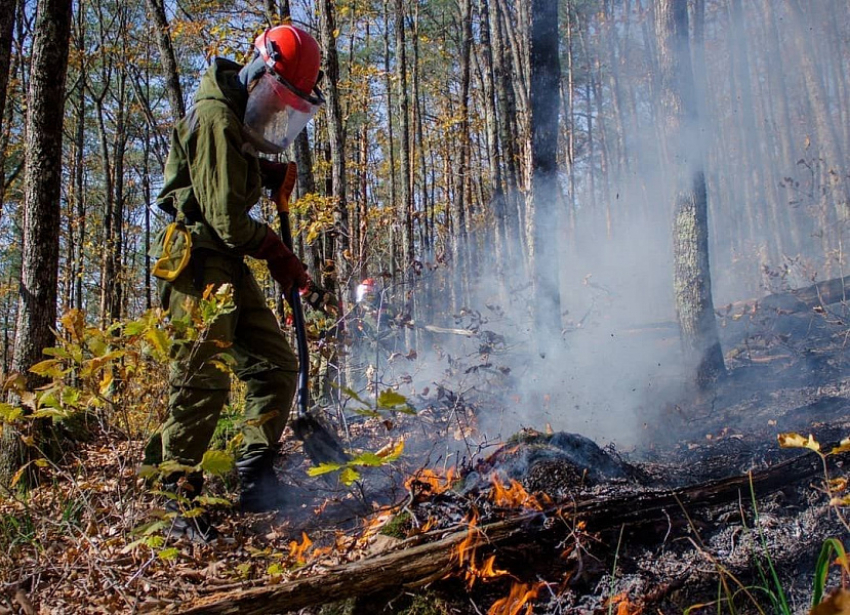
414, 564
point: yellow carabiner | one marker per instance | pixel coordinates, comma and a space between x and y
175, 253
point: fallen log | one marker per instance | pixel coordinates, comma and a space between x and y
415, 565
797, 300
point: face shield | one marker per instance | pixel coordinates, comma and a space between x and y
277, 112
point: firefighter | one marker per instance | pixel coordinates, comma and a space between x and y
375, 325
213, 177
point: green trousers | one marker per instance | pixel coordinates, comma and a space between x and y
264, 361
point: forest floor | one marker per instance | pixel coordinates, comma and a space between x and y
77, 545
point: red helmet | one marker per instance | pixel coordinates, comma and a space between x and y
284, 98
293, 55
366, 291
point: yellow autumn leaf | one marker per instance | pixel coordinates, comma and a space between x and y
795, 440
392, 452
158, 340
836, 485
843, 447
17, 477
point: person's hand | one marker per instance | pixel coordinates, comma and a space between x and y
272, 174
288, 271
284, 266
319, 298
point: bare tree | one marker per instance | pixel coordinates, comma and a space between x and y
692, 277
168, 59
336, 137
545, 196
8, 9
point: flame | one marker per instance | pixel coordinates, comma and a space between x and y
424, 528
466, 549
624, 607
431, 481
465, 554
520, 595
487, 571
513, 496
296, 551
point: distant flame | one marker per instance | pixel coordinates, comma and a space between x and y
431, 481
512, 496
520, 595
297, 551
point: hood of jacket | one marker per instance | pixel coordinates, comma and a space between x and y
221, 82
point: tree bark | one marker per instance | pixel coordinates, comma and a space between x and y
502, 249
459, 206
336, 138
42, 208
545, 195
407, 237
168, 58
8, 10
692, 277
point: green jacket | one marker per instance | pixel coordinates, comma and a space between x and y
212, 175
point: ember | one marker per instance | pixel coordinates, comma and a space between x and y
624, 607
520, 596
432, 482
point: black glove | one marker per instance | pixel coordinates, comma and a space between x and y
318, 298
272, 174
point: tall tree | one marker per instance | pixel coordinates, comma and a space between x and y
692, 277
336, 137
8, 10
168, 58
43, 186
545, 196
460, 205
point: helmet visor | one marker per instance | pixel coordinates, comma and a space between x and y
275, 114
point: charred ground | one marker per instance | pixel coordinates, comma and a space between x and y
543, 522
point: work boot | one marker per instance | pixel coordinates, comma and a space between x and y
195, 527
261, 489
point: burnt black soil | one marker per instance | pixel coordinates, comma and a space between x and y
786, 373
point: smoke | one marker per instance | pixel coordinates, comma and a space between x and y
617, 365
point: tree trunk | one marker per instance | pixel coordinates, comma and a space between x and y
459, 206
502, 249
545, 195
507, 138
407, 238
336, 138
42, 209
692, 278
168, 59
8, 10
